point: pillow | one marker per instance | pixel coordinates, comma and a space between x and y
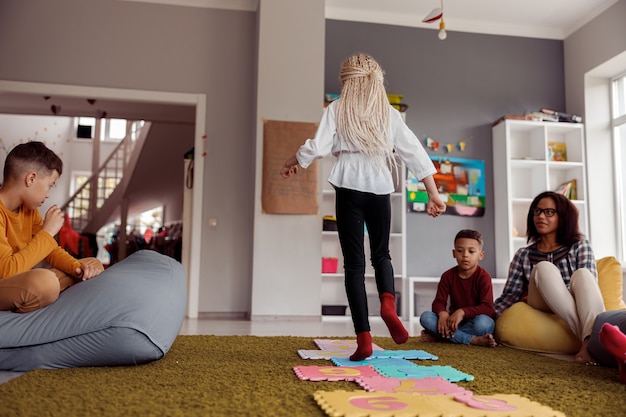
610, 282
523, 327
128, 315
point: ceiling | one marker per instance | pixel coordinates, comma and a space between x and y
545, 19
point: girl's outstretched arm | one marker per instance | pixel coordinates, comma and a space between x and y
435, 206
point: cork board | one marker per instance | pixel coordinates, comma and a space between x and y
298, 194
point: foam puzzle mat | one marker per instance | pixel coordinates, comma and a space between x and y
383, 404
394, 386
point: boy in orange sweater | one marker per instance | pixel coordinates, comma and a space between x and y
30, 171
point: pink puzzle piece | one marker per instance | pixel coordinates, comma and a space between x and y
334, 373
334, 344
425, 386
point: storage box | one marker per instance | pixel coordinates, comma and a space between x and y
329, 223
334, 310
329, 265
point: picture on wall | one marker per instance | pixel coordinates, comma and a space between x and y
461, 184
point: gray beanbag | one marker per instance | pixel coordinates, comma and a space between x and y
128, 315
597, 351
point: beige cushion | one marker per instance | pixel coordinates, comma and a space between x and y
523, 327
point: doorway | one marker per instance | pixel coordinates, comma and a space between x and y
70, 100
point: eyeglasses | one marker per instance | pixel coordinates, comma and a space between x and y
548, 212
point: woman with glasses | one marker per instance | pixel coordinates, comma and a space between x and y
556, 272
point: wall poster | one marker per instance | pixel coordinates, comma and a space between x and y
461, 184
298, 194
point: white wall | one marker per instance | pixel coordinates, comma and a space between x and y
287, 248
592, 55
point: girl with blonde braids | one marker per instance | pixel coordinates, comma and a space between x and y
366, 134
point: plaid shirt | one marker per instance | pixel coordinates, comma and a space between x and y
579, 255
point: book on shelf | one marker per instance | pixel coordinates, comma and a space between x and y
562, 117
557, 151
568, 189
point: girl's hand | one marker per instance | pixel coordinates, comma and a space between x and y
435, 206
288, 171
290, 167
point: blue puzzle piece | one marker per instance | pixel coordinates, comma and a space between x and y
417, 372
404, 354
420, 371
372, 361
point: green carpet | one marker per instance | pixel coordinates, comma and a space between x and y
253, 376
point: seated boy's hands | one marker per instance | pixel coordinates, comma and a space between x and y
87, 271
443, 328
455, 318
53, 221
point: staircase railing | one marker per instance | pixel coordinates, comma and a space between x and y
90, 197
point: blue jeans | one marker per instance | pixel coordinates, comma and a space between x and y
477, 326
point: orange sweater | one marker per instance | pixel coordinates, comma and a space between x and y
23, 244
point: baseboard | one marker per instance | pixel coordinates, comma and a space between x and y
228, 315
258, 317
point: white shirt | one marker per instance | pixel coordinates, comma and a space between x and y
355, 171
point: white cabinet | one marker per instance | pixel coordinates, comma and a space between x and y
524, 165
333, 290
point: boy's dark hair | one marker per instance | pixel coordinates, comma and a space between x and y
567, 232
469, 234
31, 156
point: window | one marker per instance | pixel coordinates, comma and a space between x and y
618, 124
110, 129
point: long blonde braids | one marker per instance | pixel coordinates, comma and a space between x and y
363, 109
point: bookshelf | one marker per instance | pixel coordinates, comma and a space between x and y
528, 158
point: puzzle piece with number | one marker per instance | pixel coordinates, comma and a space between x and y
334, 373
404, 354
420, 371
384, 404
328, 354
425, 386
335, 344
372, 361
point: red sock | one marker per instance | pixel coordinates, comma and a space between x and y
614, 341
388, 313
363, 347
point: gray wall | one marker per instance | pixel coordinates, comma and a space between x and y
455, 89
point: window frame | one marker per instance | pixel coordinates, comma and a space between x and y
618, 122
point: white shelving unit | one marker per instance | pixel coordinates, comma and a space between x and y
524, 168
424, 290
333, 290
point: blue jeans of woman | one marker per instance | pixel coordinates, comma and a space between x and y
356, 210
476, 326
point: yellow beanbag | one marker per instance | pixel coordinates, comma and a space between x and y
523, 327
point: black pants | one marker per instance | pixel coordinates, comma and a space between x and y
356, 209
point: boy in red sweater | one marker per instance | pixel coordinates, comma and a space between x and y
470, 316
27, 284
